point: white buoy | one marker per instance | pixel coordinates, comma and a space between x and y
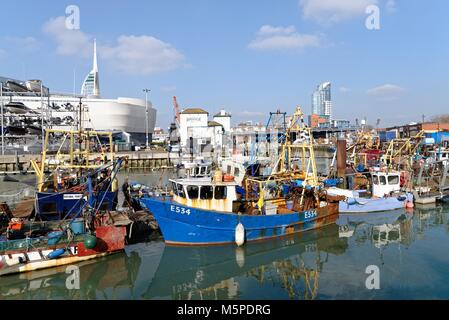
239, 234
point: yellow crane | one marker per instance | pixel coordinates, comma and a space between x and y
402, 148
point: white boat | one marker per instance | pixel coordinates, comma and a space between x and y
16, 86
17, 107
384, 195
36, 86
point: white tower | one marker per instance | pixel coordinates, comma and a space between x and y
91, 85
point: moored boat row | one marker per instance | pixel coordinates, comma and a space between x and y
206, 206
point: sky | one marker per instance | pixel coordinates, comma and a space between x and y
249, 57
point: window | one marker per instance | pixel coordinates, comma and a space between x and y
203, 170
175, 188
197, 171
229, 170
206, 193
193, 192
236, 172
375, 180
181, 191
220, 192
393, 179
383, 181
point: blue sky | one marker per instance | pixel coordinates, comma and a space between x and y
250, 57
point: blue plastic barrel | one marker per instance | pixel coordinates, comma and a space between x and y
77, 227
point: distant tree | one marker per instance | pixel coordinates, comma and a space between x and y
442, 118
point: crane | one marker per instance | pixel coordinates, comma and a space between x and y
177, 111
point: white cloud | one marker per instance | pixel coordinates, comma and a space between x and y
69, 42
273, 38
332, 11
23, 43
270, 30
386, 90
142, 55
344, 89
131, 54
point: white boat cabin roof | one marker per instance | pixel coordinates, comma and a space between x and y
202, 182
383, 173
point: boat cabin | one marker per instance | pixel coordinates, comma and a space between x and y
204, 193
197, 169
239, 167
384, 183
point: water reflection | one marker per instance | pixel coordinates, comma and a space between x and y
323, 264
429, 216
380, 229
99, 279
213, 272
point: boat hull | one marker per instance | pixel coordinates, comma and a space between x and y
16, 110
110, 239
183, 225
63, 205
361, 205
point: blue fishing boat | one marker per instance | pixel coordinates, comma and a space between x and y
187, 225
72, 178
210, 211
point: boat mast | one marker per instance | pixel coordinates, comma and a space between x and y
78, 157
284, 170
303, 142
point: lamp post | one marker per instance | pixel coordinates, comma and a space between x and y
146, 116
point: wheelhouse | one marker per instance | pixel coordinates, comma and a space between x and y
385, 183
198, 170
204, 194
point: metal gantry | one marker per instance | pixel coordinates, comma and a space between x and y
402, 148
83, 146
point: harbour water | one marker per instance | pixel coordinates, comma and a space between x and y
408, 247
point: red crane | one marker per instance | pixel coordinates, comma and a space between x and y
177, 111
